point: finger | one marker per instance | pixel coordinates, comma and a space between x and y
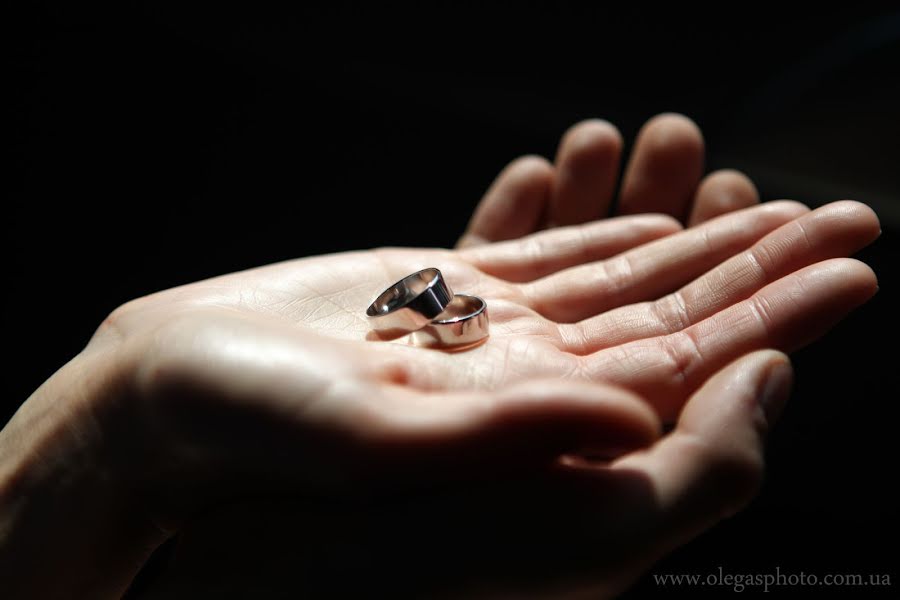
587, 164
546, 252
711, 465
786, 315
514, 205
654, 269
832, 231
524, 423
665, 167
722, 192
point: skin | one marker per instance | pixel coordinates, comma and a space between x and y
268, 383
663, 175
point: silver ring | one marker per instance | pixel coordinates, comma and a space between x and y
464, 323
409, 304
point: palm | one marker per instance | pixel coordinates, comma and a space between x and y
557, 312
568, 325
634, 301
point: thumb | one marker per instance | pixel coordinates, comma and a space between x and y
711, 465
516, 426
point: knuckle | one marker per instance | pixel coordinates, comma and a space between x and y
112, 326
733, 475
742, 478
163, 361
671, 312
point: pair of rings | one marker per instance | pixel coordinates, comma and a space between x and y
423, 306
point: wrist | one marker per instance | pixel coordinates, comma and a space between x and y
68, 524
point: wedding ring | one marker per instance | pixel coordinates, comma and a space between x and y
409, 304
463, 324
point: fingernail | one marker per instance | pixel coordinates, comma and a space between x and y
775, 390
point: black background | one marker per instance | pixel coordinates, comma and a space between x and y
155, 145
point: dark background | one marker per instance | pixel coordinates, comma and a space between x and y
155, 145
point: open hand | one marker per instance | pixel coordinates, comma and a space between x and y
268, 381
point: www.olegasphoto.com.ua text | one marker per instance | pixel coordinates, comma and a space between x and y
738, 582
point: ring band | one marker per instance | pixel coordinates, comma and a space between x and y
409, 304
463, 323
